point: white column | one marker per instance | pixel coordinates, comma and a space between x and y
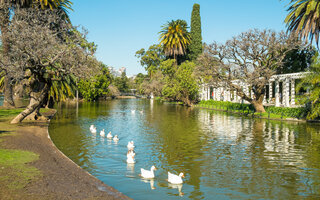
277, 95
287, 92
293, 92
265, 96
202, 92
270, 92
283, 93
208, 93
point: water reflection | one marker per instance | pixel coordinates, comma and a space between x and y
222, 156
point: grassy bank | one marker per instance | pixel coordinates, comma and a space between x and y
15, 172
248, 110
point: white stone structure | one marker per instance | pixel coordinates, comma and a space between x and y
273, 95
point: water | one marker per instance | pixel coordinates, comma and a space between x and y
222, 156
1, 100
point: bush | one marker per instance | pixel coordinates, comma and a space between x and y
288, 112
285, 112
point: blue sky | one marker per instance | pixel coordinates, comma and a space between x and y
121, 27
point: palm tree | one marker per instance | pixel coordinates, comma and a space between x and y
311, 83
304, 19
61, 90
175, 38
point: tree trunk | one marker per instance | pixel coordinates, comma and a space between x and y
258, 106
8, 93
37, 97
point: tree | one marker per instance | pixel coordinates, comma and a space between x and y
42, 54
175, 39
179, 82
122, 83
304, 19
251, 58
311, 83
195, 33
151, 58
93, 88
153, 85
6, 8
297, 60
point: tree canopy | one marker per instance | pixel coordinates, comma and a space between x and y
175, 38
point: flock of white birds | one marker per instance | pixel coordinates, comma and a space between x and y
147, 174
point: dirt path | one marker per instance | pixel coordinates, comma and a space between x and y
62, 179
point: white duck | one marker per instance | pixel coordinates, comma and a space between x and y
133, 111
174, 179
115, 138
102, 133
109, 136
130, 157
147, 173
130, 145
93, 129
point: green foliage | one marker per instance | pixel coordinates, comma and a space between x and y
311, 83
277, 112
168, 68
122, 83
61, 90
2, 76
227, 105
151, 58
180, 85
93, 88
303, 18
138, 81
175, 38
196, 38
297, 60
288, 112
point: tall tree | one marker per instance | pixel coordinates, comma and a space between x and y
304, 18
196, 38
175, 38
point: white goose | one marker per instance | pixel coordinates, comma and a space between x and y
130, 145
174, 179
115, 138
147, 173
109, 136
102, 133
93, 129
133, 111
130, 157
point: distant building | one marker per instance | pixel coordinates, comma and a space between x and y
117, 73
122, 70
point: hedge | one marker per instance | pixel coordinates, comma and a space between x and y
300, 112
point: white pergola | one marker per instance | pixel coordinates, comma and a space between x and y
285, 97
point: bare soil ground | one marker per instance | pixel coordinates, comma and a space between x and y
60, 179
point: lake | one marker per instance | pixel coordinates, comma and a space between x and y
223, 156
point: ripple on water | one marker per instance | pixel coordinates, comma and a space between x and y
222, 156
